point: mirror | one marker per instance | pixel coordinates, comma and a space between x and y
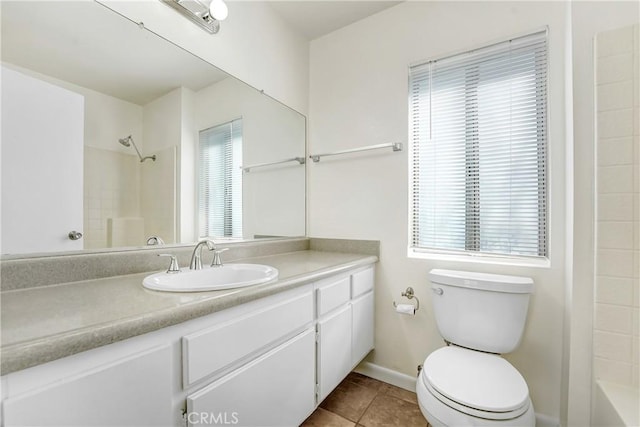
114, 133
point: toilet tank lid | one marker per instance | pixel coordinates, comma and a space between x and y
483, 281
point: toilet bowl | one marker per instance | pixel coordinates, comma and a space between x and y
462, 387
468, 383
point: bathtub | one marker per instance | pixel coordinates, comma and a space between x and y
615, 405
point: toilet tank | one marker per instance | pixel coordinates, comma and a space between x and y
485, 312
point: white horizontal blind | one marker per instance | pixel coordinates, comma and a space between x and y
220, 181
479, 150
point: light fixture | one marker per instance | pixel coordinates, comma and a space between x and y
207, 14
218, 10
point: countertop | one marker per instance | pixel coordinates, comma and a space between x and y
46, 323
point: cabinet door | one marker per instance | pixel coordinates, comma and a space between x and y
132, 391
363, 330
277, 389
334, 350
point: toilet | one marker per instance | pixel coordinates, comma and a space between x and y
468, 383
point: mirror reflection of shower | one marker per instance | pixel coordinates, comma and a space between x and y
128, 141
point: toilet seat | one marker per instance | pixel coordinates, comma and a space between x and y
478, 384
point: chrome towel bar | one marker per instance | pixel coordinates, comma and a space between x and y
300, 160
396, 146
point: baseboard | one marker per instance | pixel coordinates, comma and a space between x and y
408, 382
387, 375
543, 420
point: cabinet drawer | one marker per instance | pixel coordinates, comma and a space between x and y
362, 282
214, 349
332, 294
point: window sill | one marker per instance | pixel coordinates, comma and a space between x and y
480, 259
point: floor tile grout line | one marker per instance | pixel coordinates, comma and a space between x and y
378, 393
367, 408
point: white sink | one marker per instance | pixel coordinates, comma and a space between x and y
229, 276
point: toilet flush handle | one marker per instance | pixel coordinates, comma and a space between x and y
438, 291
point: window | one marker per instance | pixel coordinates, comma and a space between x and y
479, 151
220, 181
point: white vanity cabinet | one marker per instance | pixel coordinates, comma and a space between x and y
344, 328
134, 389
268, 362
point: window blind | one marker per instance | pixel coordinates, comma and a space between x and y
220, 181
478, 129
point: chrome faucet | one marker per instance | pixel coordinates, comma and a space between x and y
196, 257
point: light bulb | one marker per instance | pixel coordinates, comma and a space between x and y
218, 10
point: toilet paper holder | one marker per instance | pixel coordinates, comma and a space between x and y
409, 294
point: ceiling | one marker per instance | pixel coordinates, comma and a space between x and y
314, 19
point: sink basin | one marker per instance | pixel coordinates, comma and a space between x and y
229, 276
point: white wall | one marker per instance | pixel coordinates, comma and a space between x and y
359, 96
163, 130
107, 118
588, 18
187, 169
163, 122
254, 44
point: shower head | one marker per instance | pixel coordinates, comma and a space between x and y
127, 143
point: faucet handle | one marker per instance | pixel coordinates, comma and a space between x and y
173, 267
217, 261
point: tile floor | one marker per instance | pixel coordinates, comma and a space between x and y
364, 402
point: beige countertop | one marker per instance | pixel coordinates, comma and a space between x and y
46, 323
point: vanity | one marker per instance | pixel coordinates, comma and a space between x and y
265, 355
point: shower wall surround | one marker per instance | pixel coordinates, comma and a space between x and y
617, 296
127, 201
111, 190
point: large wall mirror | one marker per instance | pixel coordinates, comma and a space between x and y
113, 137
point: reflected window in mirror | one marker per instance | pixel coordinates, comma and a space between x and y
220, 181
